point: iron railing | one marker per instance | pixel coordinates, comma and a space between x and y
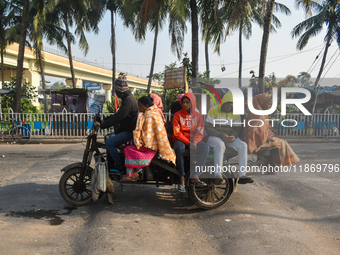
68, 125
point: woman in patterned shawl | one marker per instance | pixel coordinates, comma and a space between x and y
149, 137
259, 136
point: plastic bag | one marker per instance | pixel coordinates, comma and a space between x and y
101, 174
98, 177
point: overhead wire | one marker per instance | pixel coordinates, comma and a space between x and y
277, 58
316, 58
332, 63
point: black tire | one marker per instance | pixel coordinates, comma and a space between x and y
21, 135
213, 195
72, 190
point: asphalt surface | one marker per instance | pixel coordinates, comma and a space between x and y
285, 213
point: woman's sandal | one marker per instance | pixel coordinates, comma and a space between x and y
134, 177
181, 188
198, 183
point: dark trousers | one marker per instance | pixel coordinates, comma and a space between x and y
113, 143
200, 156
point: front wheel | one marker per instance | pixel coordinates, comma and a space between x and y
21, 135
73, 190
212, 196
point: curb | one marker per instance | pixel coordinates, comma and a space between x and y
310, 139
39, 140
81, 139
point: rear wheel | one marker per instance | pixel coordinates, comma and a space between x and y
213, 195
21, 135
73, 190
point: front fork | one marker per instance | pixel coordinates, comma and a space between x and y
87, 157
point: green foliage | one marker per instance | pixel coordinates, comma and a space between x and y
171, 96
204, 77
27, 93
59, 85
140, 93
110, 107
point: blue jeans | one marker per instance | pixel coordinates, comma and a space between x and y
219, 147
115, 141
201, 156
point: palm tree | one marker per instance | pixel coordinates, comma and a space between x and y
113, 6
5, 17
194, 39
268, 20
327, 13
269, 8
84, 15
153, 13
155, 19
4, 8
46, 25
20, 61
248, 13
127, 10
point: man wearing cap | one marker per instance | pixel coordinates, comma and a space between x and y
125, 117
226, 135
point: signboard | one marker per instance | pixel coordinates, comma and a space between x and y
94, 102
175, 78
91, 85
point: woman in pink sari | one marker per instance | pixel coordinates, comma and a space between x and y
257, 137
149, 137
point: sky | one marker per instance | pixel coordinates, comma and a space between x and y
283, 58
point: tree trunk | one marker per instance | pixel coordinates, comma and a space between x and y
21, 54
265, 40
194, 40
2, 64
43, 79
2, 70
74, 85
329, 37
240, 56
113, 51
207, 67
153, 60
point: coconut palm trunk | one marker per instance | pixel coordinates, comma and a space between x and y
42, 74
329, 38
265, 40
113, 52
207, 66
194, 40
153, 60
240, 56
2, 64
21, 54
2, 70
69, 51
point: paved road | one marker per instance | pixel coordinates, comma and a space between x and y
287, 213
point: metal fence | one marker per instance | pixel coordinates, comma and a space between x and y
295, 124
61, 125
68, 125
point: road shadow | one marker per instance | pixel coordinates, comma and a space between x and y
43, 201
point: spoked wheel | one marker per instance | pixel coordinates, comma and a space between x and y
21, 135
73, 190
212, 196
